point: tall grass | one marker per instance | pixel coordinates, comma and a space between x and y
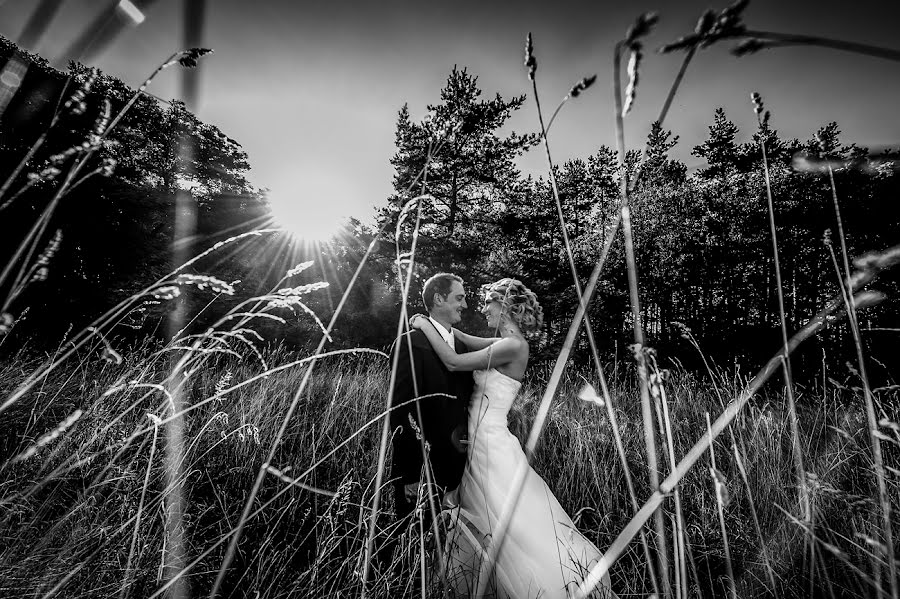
81, 511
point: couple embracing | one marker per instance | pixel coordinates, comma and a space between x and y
465, 387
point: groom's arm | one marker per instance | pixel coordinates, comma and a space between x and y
407, 461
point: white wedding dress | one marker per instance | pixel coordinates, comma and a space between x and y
543, 555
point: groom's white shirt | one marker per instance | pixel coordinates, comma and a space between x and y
447, 335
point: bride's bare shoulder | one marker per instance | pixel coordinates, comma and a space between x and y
517, 344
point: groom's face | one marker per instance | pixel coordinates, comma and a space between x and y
451, 308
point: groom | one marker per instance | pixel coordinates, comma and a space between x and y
439, 419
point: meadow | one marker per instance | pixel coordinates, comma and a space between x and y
83, 506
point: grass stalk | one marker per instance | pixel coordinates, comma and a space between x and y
786, 366
673, 89
720, 490
792, 39
646, 409
678, 530
582, 308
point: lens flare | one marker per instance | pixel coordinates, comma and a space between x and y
310, 214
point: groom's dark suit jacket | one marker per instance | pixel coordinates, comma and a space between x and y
442, 421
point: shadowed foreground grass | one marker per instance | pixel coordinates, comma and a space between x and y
83, 515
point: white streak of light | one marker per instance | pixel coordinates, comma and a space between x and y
131, 11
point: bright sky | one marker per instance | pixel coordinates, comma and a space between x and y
312, 89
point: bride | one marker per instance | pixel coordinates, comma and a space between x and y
542, 553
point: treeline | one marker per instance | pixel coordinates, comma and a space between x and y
702, 239
116, 227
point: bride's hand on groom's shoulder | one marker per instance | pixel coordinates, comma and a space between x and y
417, 321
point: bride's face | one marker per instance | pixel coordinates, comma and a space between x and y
492, 311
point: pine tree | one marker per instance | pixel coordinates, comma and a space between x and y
658, 168
719, 150
471, 169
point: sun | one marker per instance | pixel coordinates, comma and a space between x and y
307, 211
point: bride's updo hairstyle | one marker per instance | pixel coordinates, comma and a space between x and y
520, 303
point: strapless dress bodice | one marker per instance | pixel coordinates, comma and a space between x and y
492, 398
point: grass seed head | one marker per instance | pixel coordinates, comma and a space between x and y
634, 63
47, 174
705, 22
166, 292
40, 274
530, 60
190, 56
299, 268
735, 10
415, 426
712, 27
582, 86
51, 249
76, 104
103, 118
642, 27
203, 282
221, 385
51, 436
757, 102
303, 289
58, 159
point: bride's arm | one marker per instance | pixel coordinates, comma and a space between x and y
502, 351
474, 343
